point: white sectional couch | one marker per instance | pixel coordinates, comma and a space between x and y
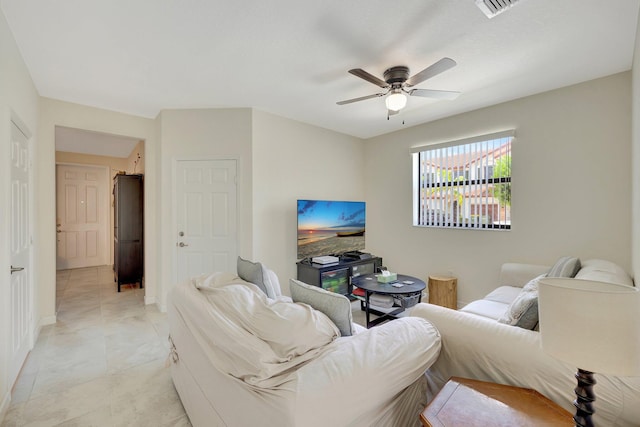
475, 345
240, 358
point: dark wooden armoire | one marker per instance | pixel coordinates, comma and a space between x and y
128, 264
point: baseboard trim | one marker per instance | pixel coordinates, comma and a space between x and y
44, 321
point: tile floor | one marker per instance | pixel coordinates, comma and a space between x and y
101, 364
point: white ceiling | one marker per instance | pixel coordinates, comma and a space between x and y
290, 57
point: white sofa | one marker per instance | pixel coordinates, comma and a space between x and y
475, 345
229, 368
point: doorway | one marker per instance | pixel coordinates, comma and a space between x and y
92, 150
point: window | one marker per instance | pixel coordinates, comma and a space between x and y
464, 184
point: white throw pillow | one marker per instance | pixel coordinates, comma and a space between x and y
271, 283
523, 311
335, 306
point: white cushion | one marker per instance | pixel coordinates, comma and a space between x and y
504, 294
485, 308
600, 270
602, 265
603, 276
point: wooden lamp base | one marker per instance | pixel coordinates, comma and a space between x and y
584, 398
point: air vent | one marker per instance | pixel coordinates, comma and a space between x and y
492, 8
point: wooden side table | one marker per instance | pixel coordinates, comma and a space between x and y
443, 291
471, 403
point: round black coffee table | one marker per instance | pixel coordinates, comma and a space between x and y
412, 287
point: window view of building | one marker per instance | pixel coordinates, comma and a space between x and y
464, 185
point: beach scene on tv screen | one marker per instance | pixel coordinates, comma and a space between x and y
330, 227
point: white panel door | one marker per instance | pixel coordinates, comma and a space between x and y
82, 216
207, 217
21, 294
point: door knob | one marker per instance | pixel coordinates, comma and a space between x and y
182, 244
15, 269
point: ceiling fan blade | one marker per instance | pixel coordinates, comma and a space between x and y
362, 98
433, 70
437, 94
359, 72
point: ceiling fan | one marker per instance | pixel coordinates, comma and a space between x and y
397, 80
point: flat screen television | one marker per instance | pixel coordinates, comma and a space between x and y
328, 227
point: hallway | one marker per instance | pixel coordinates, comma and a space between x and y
101, 364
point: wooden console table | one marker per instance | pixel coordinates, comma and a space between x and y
471, 403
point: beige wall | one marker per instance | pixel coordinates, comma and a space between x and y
58, 113
571, 187
135, 161
294, 160
115, 164
18, 102
201, 134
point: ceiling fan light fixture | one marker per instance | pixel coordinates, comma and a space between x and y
396, 101
397, 80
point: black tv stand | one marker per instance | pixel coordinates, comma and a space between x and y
337, 277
